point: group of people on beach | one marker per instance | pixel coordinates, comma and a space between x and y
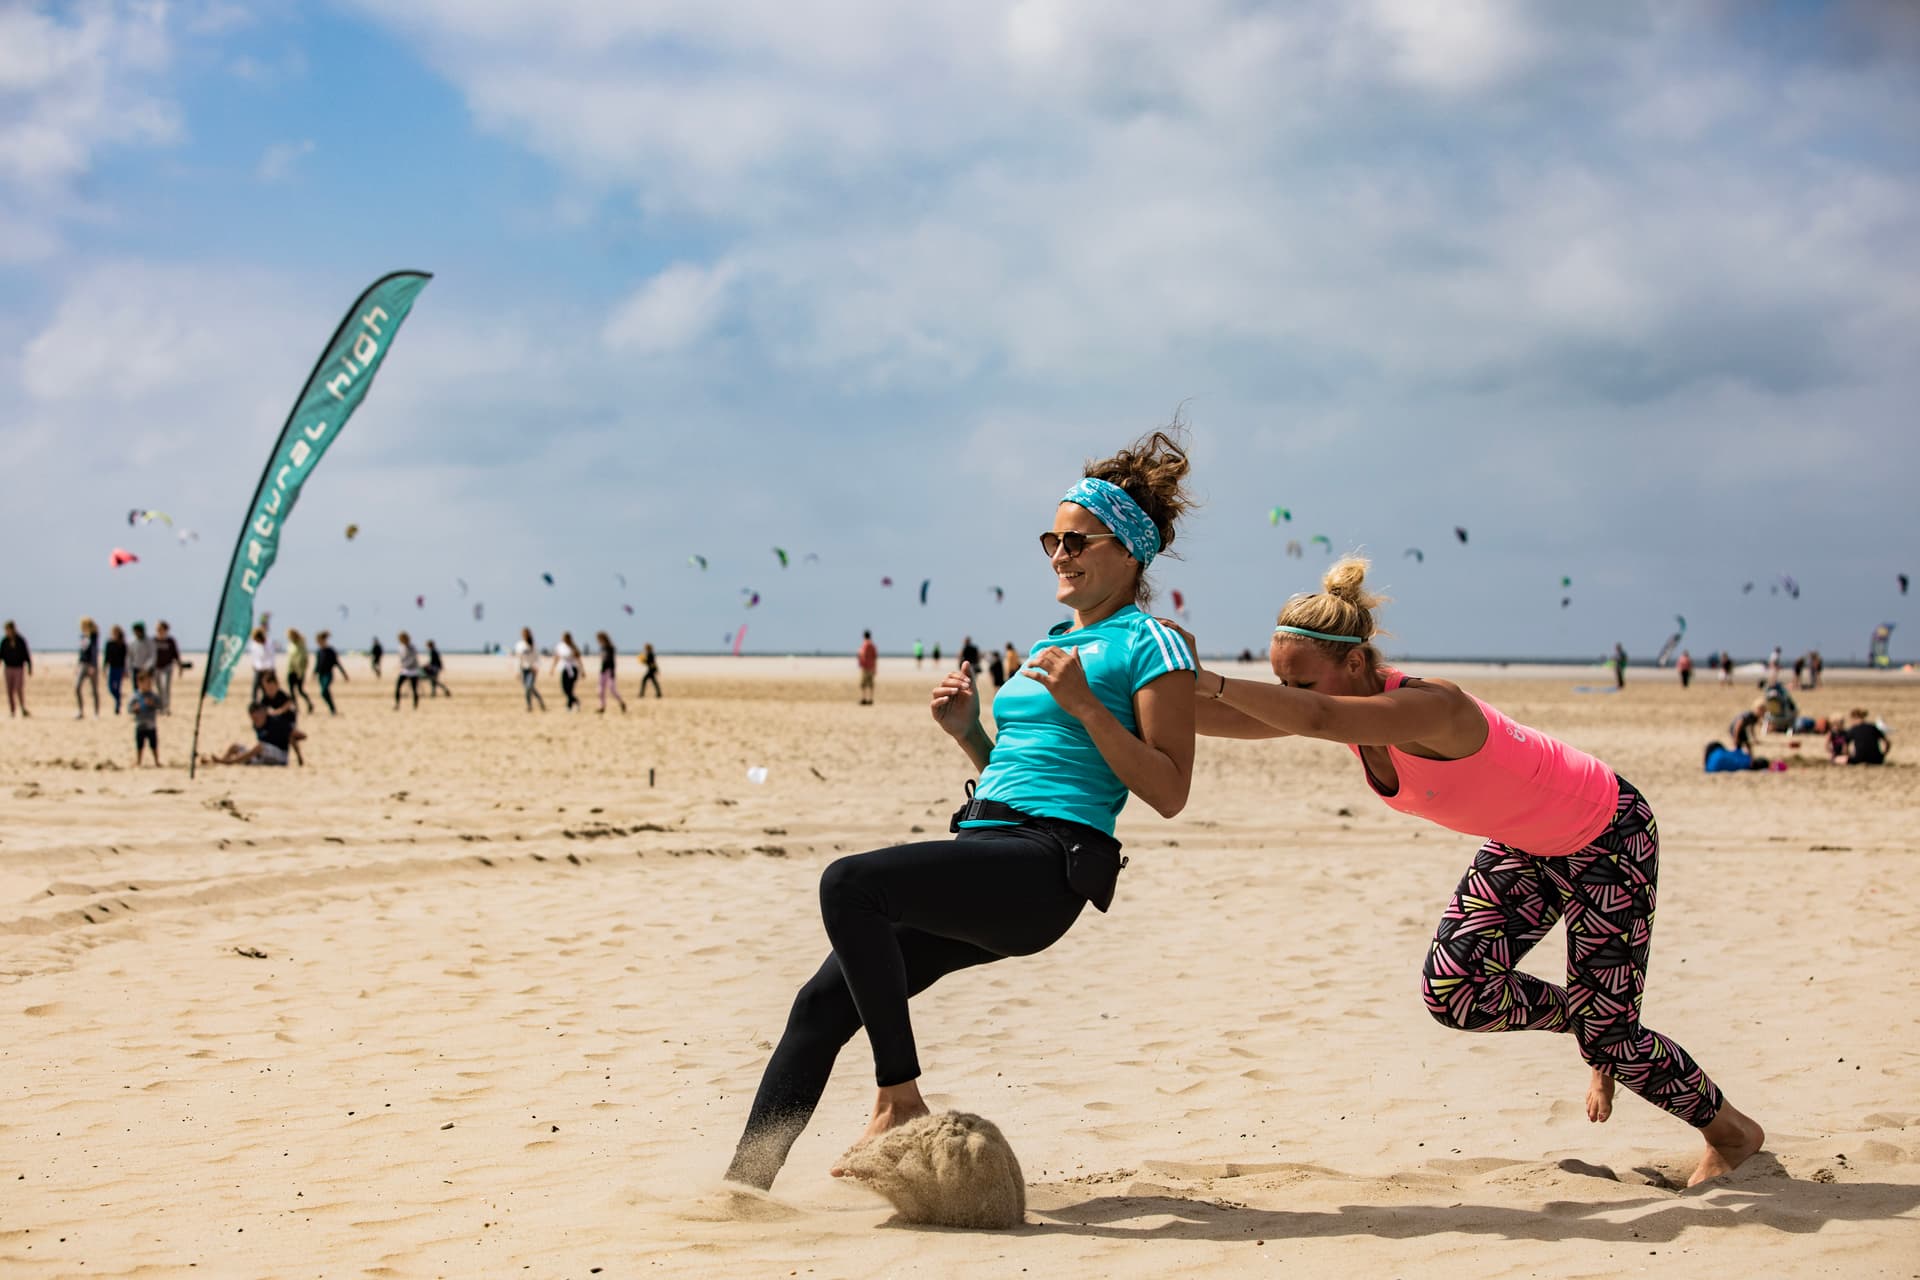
566, 659
1108, 705
126, 660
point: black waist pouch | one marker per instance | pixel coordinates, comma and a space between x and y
1093, 859
1092, 856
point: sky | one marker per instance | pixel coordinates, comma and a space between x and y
1630, 292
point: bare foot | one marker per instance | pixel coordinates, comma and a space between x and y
1731, 1138
894, 1107
1599, 1097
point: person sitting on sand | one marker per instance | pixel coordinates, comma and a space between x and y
1867, 742
1779, 709
273, 737
1102, 709
1567, 837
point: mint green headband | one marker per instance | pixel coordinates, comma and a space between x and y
1321, 635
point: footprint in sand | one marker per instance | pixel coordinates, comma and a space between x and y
732, 1203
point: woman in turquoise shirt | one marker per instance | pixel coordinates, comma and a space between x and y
1102, 708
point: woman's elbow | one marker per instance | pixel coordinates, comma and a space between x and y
1169, 804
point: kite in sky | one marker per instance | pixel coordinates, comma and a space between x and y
783, 556
886, 582
999, 594
1293, 548
122, 556
700, 561
1903, 582
1419, 556
462, 584
353, 531
628, 608
924, 584
419, 602
752, 597
479, 611
1278, 514
547, 578
622, 579
1323, 538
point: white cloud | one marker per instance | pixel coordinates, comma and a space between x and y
278, 160
672, 311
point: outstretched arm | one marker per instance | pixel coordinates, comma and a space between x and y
1420, 712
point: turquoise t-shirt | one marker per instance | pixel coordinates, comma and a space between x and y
1044, 761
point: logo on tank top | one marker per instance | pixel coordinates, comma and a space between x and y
1513, 731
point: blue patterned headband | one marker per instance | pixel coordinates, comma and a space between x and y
1119, 512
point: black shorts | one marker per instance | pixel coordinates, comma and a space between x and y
145, 735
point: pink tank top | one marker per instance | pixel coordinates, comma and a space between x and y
1526, 790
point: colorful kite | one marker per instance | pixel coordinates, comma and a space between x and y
419, 602
700, 561
1278, 514
1324, 539
122, 556
1566, 582
752, 597
783, 556
739, 638
353, 531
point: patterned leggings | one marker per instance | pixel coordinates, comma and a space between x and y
1506, 903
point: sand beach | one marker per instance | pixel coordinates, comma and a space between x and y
479, 992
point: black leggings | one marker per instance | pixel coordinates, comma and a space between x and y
901, 919
406, 679
326, 692
651, 678
297, 686
569, 677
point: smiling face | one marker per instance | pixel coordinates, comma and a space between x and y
1301, 664
1101, 577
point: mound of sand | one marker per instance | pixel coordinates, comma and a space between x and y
951, 1169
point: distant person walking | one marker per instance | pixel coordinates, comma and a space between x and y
140, 652
609, 680
86, 669
326, 665
1685, 667
1815, 665
260, 654
1619, 661
375, 654
652, 677
526, 655
970, 658
1726, 668
297, 660
17, 660
1012, 656
566, 660
166, 661
869, 661
410, 673
1773, 666
435, 665
116, 663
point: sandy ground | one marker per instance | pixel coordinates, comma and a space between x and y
480, 993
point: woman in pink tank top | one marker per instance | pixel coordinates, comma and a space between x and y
1566, 838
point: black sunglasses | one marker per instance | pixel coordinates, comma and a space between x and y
1074, 541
